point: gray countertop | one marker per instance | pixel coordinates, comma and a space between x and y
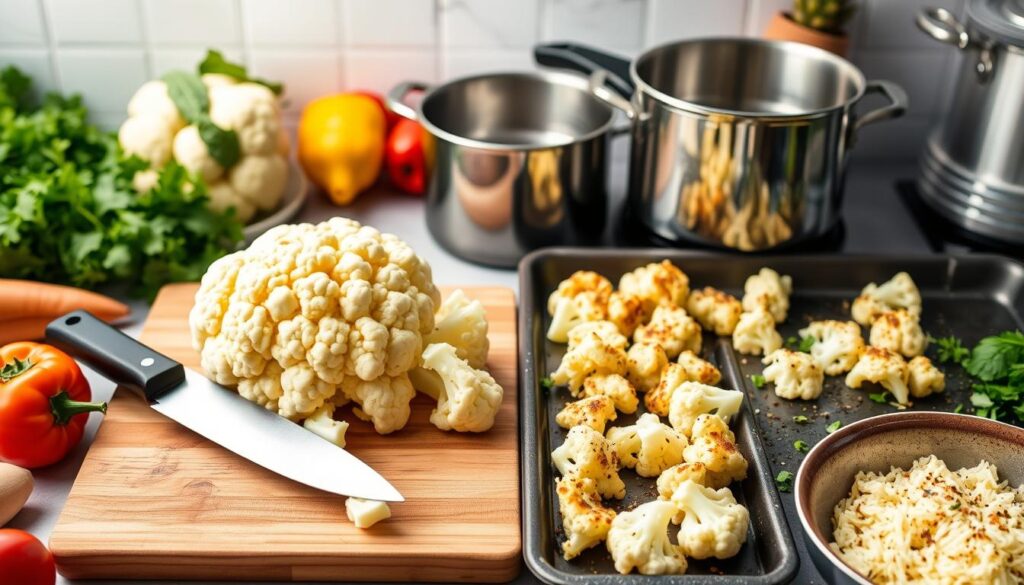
876, 222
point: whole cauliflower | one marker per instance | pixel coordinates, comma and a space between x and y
899, 292
580, 298
626, 311
692, 399
649, 445
769, 291
592, 356
644, 364
795, 374
592, 411
671, 328
713, 525
606, 330
755, 334
585, 520
716, 310
470, 399
713, 445
698, 369
307, 307
639, 540
148, 137
923, 378
898, 331
462, 323
656, 284
837, 344
614, 386
882, 367
585, 453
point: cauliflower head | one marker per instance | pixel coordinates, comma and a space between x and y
626, 311
585, 453
644, 364
923, 378
592, 356
692, 399
795, 374
252, 111
152, 99
837, 344
606, 330
462, 323
769, 291
614, 386
638, 539
592, 411
715, 310
671, 328
755, 333
899, 292
580, 298
658, 283
470, 398
698, 369
147, 137
884, 367
585, 520
898, 331
306, 307
713, 445
713, 525
650, 446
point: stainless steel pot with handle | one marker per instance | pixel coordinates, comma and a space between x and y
737, 143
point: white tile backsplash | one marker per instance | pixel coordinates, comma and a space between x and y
35, 63
21, 23
489, 24
190, 22
463, 63
163, 60
88, 21
306, 74
390, 23
106, 78
616, 24
380, 70
676, 19
273, 22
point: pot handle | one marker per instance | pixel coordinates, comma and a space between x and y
942, 26
599, 89
587, 60
395, 99
897, 104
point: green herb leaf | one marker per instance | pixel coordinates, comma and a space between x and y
801, 446
950, 349
547, 382
959, 408
835, 426
801, 419
955, 506
879, 397
981, 400
222, 144
806, 343
758, 380
994, 356
188, 93
784, 481
216, 63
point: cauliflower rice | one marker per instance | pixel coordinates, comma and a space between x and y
932, 525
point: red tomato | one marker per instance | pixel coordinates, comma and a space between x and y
24, 560
390, 117
409, 156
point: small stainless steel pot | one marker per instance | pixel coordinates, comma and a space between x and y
520, 162
737, 143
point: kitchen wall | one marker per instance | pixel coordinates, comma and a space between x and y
104, 49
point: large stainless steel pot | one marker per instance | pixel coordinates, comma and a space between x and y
972, 169
520, 162
737, 143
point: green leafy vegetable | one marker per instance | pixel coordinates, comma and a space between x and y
222, 144
950, 350
216, 63
188, 93
801, 445
547, 382
879, 397
998, 361
994, 356
835, 426
758, 380
959, 408
801, 419
803, 344
784, 481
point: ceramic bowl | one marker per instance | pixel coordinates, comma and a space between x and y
878, 443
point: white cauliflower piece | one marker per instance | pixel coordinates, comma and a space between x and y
580, 298
795, 374
592, 356
689, 369
713, 445
223, 197
260, 179
592, 411
145, 180
715, 310
923, 378
366, 513
649, 445
671, 478
190, 151
644, 364
656, 284
322, 423
211, 80
638, 539
585, 453
898, 331
692, 399
151, 99
671, 328
383, 401
426, 382
607, 330
837, 344
769, 291
252, 111
462, 323
585, 520
626, 311
470, 399
884, 367
614, 386
698, 369
147, 137
581, 281
713, 525
899, 292
755, 333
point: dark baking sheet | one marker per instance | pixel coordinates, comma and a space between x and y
968, 296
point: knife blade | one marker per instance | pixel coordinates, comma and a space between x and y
209, 409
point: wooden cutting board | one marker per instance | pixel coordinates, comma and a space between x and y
154, 500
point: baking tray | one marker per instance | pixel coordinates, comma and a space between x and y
969, 296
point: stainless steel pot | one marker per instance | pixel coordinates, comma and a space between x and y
520, 162
737, 143
972, 169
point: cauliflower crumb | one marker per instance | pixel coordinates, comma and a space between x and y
795, 374
898, 331
755, 333
644, 363
585, 520
769, 291
587, 454
323, 424
671, 328
713, 445
899, 292
638, 539
592, 411
717, 311
366, 513
649, 445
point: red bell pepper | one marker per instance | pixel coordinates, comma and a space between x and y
409, 157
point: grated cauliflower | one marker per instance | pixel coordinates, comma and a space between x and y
580, 298
470, 399
923, 378
585, 520
649, 446
692, 399
592, 411
585, 453
715, 310
795, 374
899, 292
606, 330
837, 344
656, 284
898, 331
462, 323
639, 540
755, 334
592, 356
671, 328
626, 311
614, 386
769, 291
884, 367
644, 364
714, 445
713, 525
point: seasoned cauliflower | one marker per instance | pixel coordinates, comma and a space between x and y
462, 323
587, 454
661, 283
717, 311
689, 369
626, 311
882, 367
366, 513
585, 520
899, 292
670, 479
795, 374
323, 424
755, 334
639, 540
671, 328
592, 356
713, 445
924, 378
470, 399
713, 525
580, 298
649, 445
383, 401
837, 344
581, 281
308, 306
614, 386
692, 399
698, 369
592, 411
606, 330
898, 331
769, 291
644, 364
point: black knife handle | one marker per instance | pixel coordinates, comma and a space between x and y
118, 357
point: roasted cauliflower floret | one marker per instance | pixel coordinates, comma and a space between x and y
924, 378
899, 292
770, 291
592, 356
639, 540
580, 298
898, 331
585, 520
671, 328
592, 411
644, 364
660, 283
649, 446
755, 334
626, 311
614, 386
383, 401
884, 367
837, 344
795, 374
462, 323
470, 398
713, 525
713, 445
322, 423
692, 399
689, 369
715, 310
607, 330
671, 478
698, 369
587, 454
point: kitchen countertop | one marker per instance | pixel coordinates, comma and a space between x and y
876, 223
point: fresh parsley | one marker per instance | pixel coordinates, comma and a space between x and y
803, 344
879, 397
547, 382
801, 446
950, 350
998, 362
758, 380
801, 419
835, 426
994, 357
784, 481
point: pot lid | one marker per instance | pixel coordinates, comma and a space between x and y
1001, 20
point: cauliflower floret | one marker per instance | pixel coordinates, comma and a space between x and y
661, 283
211, 80
713, 445
650, 446
755, 333
252, 111
592, 356
470, 399
147, 137
605, 329
769, 291
717, 311
151, 99
383, 401
366, 513
692, 369
592, 411
644, 364
697, 369
626, 311
924, 378
882, 367
898, 331
579, 282
580, 298
260, 179
223, 197
692, 399
671, 328
671, 478
795, 374
837, 344
899, 292
639, 540
585, 520
462, 323
614, 386
191, 152
145, 180
587, 454
713, 525
323, 424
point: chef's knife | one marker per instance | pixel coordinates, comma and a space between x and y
217, 413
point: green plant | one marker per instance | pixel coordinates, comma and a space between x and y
825, 15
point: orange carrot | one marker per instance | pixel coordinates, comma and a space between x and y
27, 329
22, 301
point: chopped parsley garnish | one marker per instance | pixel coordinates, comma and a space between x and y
758, 380
834, 426
784, 481
801, 445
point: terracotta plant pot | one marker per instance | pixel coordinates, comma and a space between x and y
783, 28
